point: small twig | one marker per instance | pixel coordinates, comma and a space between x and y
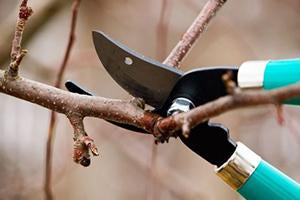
192, 34
230, 85
237, 100
41, 18
17, 53
184, 46
177, 55
186, 127
79, 148
83, 144
129, 113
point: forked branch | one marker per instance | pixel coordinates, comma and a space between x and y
76, 107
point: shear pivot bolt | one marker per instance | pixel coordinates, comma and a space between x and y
180, 105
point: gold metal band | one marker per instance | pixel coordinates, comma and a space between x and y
239, 166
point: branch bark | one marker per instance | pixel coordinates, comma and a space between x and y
73, 104
17, 53
237, 100
83, 143
127, 112
181, 50
76, 107
192, 34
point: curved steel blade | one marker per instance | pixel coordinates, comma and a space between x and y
140, 76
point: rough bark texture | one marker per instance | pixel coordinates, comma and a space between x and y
74, 104
130, 113
76, 107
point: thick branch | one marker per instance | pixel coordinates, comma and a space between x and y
227, 103
74, 104
127, 112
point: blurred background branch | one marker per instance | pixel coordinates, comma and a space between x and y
53, 117
233, 37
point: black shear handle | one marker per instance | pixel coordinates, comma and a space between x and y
211, 141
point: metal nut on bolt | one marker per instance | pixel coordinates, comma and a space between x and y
180, 104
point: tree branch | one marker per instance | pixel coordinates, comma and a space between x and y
188, 40
182, 48
236, 100
76, 107
81, 146
72, 105
192, 34
126, 112
41, 18
17, 53
83, 143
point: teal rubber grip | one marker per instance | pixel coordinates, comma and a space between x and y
268, 183
279, 73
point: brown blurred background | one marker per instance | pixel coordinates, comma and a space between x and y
242, 30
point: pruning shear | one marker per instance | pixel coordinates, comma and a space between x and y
169, 90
